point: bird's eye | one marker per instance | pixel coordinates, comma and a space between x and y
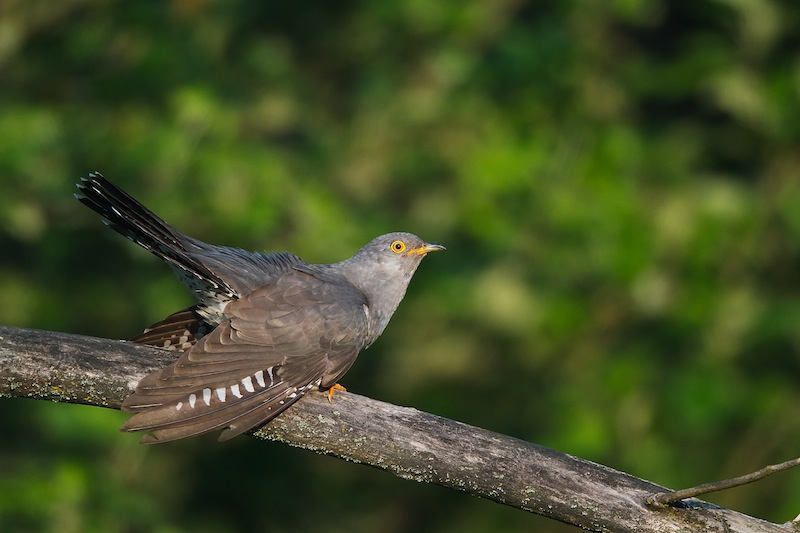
398, 247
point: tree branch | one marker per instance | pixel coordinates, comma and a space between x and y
407, 442
663, 499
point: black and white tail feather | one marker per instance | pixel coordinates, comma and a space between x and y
127, 216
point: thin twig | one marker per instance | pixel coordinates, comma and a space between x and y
663, 499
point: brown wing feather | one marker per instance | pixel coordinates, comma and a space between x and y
277, 342
179, 331
206, 412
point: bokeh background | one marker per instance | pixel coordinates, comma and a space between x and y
616, 183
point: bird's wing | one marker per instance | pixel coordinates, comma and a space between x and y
277, 343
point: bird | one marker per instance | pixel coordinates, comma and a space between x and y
266, 327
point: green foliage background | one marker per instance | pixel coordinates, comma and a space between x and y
616, 183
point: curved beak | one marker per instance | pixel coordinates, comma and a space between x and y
426, 248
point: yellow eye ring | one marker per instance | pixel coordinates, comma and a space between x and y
398, 247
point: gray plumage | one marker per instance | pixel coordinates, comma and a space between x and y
266, 329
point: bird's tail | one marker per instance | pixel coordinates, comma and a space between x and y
125, 215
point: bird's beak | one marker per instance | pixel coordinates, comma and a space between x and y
426, 248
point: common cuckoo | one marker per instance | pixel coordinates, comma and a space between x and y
266, 329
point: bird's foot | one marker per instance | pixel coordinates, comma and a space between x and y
332, 391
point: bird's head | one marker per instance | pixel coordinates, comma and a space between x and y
383, 268
395, 255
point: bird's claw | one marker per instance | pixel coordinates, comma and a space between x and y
332, 391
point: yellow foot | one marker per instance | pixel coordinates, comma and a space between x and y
332, 390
